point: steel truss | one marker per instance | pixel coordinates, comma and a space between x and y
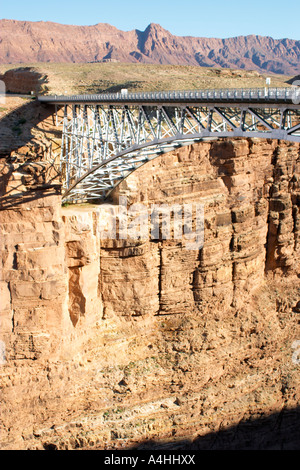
103, 143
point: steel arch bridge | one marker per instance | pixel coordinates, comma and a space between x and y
106, 137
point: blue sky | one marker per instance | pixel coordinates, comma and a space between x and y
210, 18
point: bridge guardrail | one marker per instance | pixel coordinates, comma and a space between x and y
240, 94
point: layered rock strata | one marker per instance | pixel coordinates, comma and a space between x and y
106, 343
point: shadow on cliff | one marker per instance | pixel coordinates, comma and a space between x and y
25, 175
278, 431
16, 126
36, 180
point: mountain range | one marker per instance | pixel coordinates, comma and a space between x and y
32, 42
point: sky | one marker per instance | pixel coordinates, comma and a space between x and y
210, 18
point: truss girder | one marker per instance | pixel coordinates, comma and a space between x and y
103, 143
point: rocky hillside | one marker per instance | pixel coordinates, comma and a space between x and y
23, 41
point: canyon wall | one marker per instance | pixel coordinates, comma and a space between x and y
110, 343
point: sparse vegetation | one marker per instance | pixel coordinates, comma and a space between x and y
17, 129
112, 77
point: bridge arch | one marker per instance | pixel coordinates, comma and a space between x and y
98, 182
102, 179
107, 137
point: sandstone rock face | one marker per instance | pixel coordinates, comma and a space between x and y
33, 273
23, 80
82, 254
244, 196
31, 42
109, 342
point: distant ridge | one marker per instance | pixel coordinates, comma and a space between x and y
31, 42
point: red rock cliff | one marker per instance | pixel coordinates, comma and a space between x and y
31, 42
110, 343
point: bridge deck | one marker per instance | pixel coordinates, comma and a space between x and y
262, 96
